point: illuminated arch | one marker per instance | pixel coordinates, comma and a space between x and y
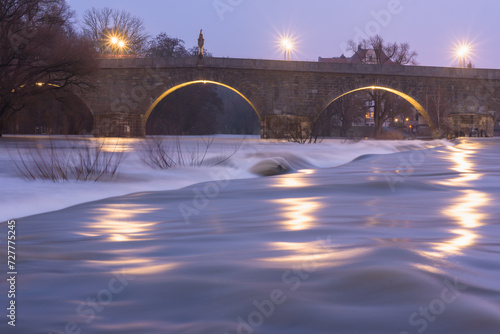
173, 89
407, 97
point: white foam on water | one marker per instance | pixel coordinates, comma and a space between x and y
21, 198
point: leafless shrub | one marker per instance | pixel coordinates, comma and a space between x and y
168, 152
81, 160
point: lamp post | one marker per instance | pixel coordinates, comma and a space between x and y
116, 44
462, 53
287, 45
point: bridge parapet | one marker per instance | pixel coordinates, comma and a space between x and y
304, 66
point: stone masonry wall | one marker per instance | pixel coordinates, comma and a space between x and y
127, 88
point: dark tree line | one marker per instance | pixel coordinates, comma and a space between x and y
43, 58
40, 53
59, 112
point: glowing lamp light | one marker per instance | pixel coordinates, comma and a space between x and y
287, 44
463, 51
121, 44
114, 40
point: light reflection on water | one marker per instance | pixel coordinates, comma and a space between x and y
463, 165
467, 212
317, 254
134, 265
298, 213
116, 223
467, 209
295, 180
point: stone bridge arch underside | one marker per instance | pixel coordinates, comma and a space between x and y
128, 89
413, 96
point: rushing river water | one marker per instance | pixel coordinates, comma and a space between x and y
407, 242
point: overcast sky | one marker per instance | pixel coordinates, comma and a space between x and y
251, 28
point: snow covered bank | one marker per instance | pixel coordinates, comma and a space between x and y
21, 198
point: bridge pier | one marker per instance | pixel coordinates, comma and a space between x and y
297, 128
472, 124
116, 124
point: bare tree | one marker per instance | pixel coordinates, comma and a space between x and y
439, 108
107, 27
386, 106
165, 46
342, 114
386, 53
39, 53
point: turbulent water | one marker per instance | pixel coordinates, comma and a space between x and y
403, 242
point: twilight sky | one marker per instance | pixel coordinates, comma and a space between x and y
250, 28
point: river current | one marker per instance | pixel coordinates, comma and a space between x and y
401, 243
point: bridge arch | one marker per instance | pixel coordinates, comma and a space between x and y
399, 93
193, 82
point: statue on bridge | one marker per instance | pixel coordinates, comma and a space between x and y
201, 44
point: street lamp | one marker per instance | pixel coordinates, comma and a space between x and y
463, 52
287, 45
116, 43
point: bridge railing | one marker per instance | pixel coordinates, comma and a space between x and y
301, 66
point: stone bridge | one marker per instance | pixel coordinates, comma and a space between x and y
128, 89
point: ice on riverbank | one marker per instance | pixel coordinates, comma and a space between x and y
22, 198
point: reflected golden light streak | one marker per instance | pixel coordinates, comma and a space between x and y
290, 182
116, 222
463, 165
467, 210
467, 213
427, 268
115, 146
311, 254
136, 266
295, 180
298, 212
